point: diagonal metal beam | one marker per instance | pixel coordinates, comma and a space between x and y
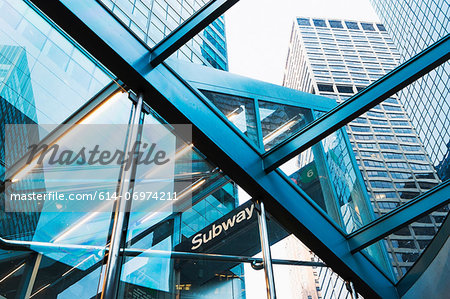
188, 29
368, 98
178, 102
407, 213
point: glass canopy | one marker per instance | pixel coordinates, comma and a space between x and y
266, 165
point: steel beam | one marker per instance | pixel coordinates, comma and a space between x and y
368, 98
188, 29
178, 102
31, 246
122, 208
265, 250
407, 213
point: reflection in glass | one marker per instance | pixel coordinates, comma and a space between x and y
326, 173
60, 270
170, 244
406, 245
41, 69
239, 111
278, 122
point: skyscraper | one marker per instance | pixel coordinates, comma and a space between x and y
413, 26
338, 58
17, 106
151, 21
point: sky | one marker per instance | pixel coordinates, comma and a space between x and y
258, 31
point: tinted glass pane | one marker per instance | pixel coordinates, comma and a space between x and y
336, 24
407, 244
327, 173
238, 110
170, 243
43, 69
65, 271
303, 22
294, 281
278, 122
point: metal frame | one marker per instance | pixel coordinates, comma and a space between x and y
405, 214
265, 249
30, 246
368, 98
178, 102
121, 210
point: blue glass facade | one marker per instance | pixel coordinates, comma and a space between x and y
152, 20
337, 58
414, 26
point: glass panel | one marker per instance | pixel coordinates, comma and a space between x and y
65, 271
406, 245
278, 122
209, 47
293, 281
326, 173
239, 111
365, 55
153, 20
213, 221
166, 276
40, 69
13, 269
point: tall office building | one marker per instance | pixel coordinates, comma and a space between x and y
16, 107
413, 26
151, 21
337, 59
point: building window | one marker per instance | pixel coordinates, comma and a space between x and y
389, 146
373, 173
383, 195
408, 195
397, 165
319, 23
373, 164
360, 129
303, 22
392, 156
400, 175
335, 24
390, 205
381, 27
367, 26
344, 89
381, 184
411, 148
325, 87
399, 123
407, 139
424, 231
352, 25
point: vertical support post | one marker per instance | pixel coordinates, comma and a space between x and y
32, 273
265, 248
351, 289
118, 234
